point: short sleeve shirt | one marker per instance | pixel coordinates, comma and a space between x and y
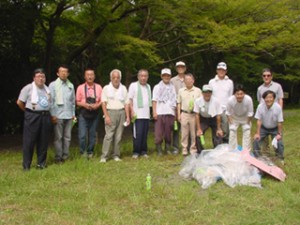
114, 103
143, 112
186, 98
44, 100
162, 108
178, 83
273, 86
207, 109
269, 117
240, 110
82, 94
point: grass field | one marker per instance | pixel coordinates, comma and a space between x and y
87, 192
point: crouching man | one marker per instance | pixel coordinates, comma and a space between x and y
269, 117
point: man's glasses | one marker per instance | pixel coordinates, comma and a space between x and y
266, 75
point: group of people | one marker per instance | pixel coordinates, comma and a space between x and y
178, 108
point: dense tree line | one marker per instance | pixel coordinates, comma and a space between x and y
132, 34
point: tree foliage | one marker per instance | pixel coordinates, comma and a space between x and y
132, 34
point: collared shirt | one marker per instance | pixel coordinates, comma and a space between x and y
67, 109
240, 110
273, 86
144, 112
44, 99
178, 83
164, 108
207, 109
186, 98
269, 117
81, 95
113, 99
222, 89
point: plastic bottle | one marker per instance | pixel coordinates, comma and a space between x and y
148, 182
134, 118
202, 140
74, 121
175, 125
191, 105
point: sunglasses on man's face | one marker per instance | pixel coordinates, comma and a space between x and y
266, 75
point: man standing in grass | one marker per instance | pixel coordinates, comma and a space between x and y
208, 115
240, 112
269, 84
88, 98
178, 82
115, 106
140, 102
62, 112
185, 114
164, 107
269, 122
35, 101
222, 88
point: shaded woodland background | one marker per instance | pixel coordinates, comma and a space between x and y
248, 35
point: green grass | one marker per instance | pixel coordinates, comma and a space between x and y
87, 192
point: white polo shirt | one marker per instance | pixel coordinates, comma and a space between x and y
269, 117
222, 89
240, 110
144, 112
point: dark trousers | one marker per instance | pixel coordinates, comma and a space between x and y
87, 131
264, 132
206, 123
140, 133
163, 129
35, 132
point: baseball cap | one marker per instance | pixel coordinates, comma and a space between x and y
166, 71
206, 88
222, 65
180, 63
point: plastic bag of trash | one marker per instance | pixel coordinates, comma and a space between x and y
220, 163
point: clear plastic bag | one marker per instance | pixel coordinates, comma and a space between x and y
220, 163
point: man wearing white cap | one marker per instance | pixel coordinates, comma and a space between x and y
208, 115
164, 106
222, 88
178, 82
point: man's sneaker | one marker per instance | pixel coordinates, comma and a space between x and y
117, 159
41, 167
135, 156
175, 152
103, 160
90, 156
282, 162
145, 156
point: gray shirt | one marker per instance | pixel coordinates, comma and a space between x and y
44, 100
178, 83
273, 86
269, 117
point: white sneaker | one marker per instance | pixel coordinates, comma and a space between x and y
135, 156
117, 159
145, 156
102, 160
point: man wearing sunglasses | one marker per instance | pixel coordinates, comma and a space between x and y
271, 85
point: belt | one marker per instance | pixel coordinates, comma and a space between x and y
41, 112
187, 112
115, 110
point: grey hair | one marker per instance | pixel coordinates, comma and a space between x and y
115, 70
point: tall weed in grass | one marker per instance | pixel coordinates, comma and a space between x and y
84, 191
